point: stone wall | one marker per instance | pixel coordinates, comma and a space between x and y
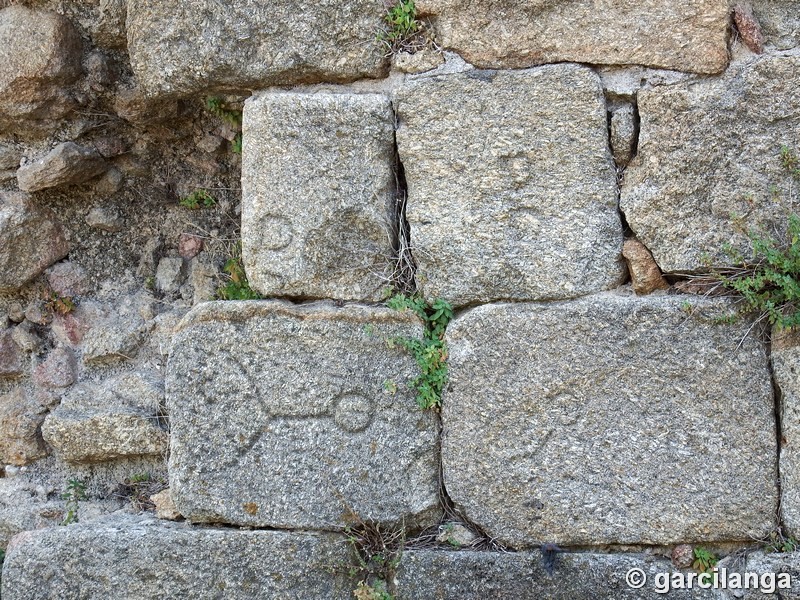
203, 207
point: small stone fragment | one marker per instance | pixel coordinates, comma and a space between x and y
110, 30
57, 371
30, 240
169, 274
203, 277
9, 157
210, 143
11, 358
748, 27
623, 134
110, 146
110, 183
26, 337
20, 418
455, 534
190, 245
97, 423
106, 219
66, 164
417, 62
682, 556
165, 507
133, 106
39, 55
645, 275
67, 279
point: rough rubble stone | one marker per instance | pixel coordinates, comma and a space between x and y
11, 359
511, 188
40, 53
469, 575
105, 219
708, 159
252, 45
67, 279
645, 275
596, 421
169, 274
59, 370
304, 396
110, 29
317, 183
785, 358
20, 418
108, 334
779, 21
25, 506
66, 164
140, 558
510, 34
190, 245
747, 27
165, 507
97, 423
30, 240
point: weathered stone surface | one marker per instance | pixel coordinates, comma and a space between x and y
109, 333
190, 245
748, 27
511, 188
599, 420
300, 395
30, 241
165, 507
24, 506
707, 159
645, 275
252, 45
170, 274
11, 359
110, 30
524, 576
771, 571
106, 219
66, 164
57, 371
67, 279
317, 185
623, 134
511, 34
97, 423
39, 54
20, 418
779, 21
785, 358
139, 558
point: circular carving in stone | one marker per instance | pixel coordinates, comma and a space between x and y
353, 412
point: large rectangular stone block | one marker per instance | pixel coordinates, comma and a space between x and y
135, 558
609, 420
512, 34
179, 47
708, 165
511, 186
318, 187
298, 417
785, 358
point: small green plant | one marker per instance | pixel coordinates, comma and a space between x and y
217, 107
704, 560
778, 543
402, 26
62, 305
376, 553
430, 352
197, 199
237, 286
74, 493
769, 281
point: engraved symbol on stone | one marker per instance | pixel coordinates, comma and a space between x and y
276, 232
353, 412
